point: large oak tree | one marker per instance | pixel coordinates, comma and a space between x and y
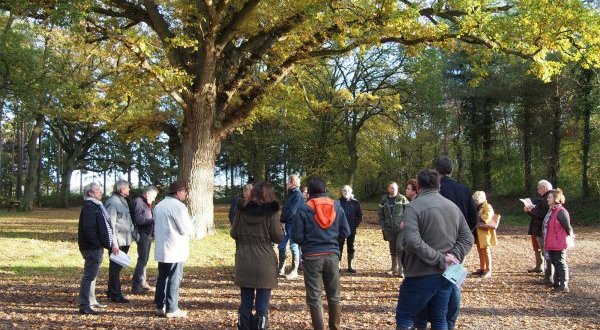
217, 58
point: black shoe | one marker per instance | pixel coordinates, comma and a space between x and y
87, 311
351, 270
119, 299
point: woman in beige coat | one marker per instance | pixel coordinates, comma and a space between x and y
485, 238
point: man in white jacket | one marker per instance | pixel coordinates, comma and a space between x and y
172, 229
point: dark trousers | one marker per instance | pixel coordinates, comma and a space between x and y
248, 296
91, 268
322, 270
559, 261
114, 276
350, 242
167, 286
143, 248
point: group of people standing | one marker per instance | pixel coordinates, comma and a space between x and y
551, 236
316, 225
428, 230
116, 224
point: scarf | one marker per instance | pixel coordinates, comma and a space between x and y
104, 215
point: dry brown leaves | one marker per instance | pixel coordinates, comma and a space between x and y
511, 299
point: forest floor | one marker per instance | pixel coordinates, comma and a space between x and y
40, 270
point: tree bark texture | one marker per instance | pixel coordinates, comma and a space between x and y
32, 164
587, 106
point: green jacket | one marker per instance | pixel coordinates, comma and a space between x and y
390, 220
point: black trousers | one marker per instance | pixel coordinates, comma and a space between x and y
350, 241
114, 274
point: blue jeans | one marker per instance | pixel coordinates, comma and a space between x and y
167, 286
416, 293
288, 237
263, 296
451, 316
143, 249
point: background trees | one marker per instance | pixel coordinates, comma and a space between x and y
299, 86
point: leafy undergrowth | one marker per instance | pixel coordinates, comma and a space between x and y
41, 269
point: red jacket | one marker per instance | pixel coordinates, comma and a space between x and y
556, 235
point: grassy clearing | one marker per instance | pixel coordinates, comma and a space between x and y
45, 241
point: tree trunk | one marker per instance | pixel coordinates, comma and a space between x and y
587, 106
201, 143
21, 160
65, 186
351, 146
526, 130
1, 145
38, 185
199, 151
104, 179
32, 164
488, 143
554, 161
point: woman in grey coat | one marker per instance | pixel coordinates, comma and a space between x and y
255, 228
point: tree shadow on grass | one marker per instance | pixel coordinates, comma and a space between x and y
40, 235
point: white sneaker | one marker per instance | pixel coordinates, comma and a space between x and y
176, 314
282, 271
292, 275
160, 312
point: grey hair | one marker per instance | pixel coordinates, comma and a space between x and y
545, 183
89, 188
119, 185
295, 179
247, 187
349, 189
150, 189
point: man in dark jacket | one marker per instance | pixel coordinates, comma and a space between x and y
538, 212
461, 197
94, 235
456, 192
354, 216
144, 222
435, 236
292, 202
317, 227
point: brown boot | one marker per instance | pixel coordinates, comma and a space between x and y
316, 315
335, 315
539, 263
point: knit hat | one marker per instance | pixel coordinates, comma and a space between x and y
176, 186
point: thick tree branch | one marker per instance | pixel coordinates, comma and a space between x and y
229, 30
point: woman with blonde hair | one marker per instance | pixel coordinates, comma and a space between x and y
485, 238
